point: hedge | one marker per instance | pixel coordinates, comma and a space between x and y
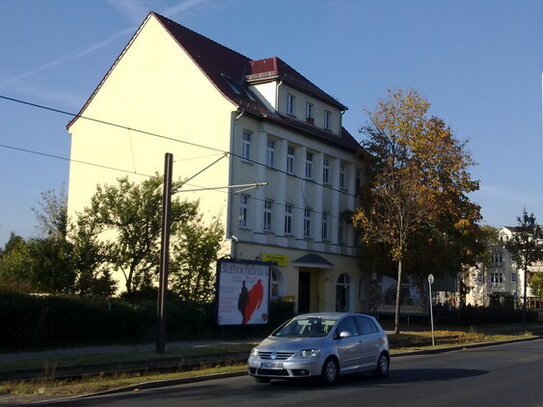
29, 321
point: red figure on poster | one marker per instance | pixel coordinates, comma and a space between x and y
256, 294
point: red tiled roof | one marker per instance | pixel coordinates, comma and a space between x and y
271, 68
230, 72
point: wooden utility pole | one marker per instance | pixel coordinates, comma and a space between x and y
164, 254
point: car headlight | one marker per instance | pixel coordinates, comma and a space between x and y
254, 353
308, 353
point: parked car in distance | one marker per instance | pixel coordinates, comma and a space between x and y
325, 345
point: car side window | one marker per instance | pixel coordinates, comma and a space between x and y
373, 326
365, 325
349, 325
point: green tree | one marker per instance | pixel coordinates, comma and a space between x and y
536, 284
193, 262
525, 248
89, 260
62, 259
52, 214
127, 217
51, 266
419, 181
15, 265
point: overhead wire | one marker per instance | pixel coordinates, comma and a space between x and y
26, 150
199, 187
177, 140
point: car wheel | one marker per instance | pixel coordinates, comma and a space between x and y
383, 364
330, 371
262, 379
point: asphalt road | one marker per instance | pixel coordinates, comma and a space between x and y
504, 375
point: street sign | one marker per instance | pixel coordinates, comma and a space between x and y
430, 282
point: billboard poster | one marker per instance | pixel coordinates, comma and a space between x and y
412, 301
243, 292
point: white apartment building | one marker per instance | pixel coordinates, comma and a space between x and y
188, 94
499, 281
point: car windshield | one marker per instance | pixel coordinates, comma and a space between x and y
307, 327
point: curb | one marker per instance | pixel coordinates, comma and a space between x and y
136, 366
462, 347
195, 379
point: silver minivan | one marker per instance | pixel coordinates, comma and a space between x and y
325, 345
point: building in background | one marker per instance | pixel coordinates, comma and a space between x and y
500, 282
186, 91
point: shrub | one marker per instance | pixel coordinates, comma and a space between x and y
30, 321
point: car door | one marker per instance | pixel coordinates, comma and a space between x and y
348, 348
370, 339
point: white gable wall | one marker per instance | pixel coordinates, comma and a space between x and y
154, 87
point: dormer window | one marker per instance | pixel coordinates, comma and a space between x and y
291, 104
309, 112
327, 120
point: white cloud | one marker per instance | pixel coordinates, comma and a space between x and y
70, 57
42, 95
134, 10
182, 7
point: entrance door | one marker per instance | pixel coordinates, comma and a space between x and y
304, 289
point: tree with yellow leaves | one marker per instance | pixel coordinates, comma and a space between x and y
419, 180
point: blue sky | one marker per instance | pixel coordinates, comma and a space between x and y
479, 63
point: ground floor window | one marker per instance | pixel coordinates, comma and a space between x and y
343, 293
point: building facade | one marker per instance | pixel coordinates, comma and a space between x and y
173, 90
499, 282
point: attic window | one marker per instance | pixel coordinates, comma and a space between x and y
327, 119
240, 89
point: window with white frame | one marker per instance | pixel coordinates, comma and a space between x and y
327, 119
246, 145
307, 222
341, 232
496, 257
309, 165
324, 231
291, 104
326, 170
358, 180
288, 219
270, 153
342, 182
290, 160
268, 206
496, 278
309, 112
513, 277
243, 210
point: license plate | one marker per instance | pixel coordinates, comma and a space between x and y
271, 365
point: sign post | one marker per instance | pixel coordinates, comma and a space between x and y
430, 282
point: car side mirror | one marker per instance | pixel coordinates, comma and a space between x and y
344, 334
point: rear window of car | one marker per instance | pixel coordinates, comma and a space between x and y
312, 327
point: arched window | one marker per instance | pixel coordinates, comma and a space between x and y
343, 293
276, 284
